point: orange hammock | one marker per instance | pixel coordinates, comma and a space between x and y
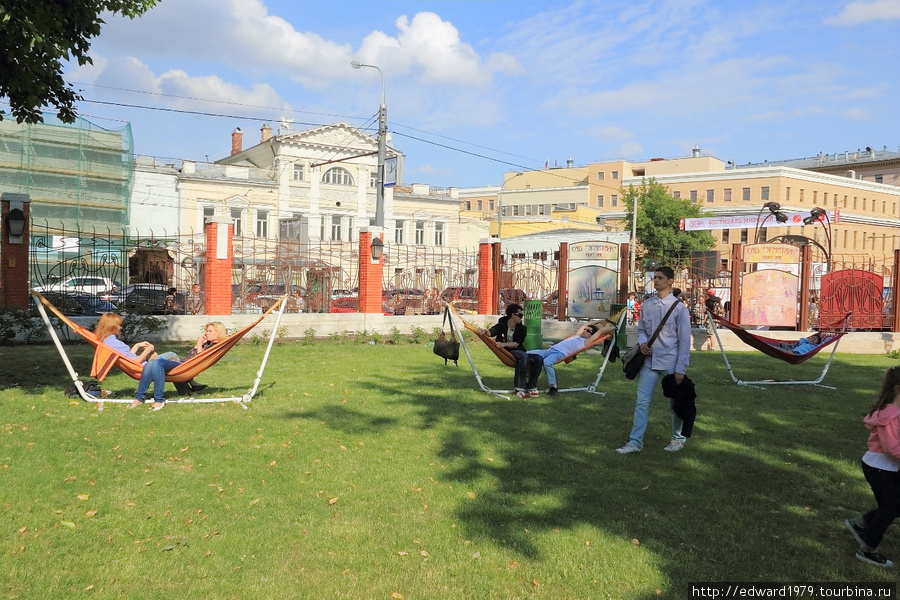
771, 347
105, 358
509, 360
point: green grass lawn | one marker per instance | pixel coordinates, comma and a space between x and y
375, 472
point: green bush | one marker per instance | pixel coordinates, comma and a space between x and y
419, 336
27, 324
395, 337
309, 337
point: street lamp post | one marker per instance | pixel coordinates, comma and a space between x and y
382, 142
820, 215
774, 210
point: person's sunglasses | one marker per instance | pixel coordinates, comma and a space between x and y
520, 314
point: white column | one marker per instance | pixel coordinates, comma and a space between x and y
315, 214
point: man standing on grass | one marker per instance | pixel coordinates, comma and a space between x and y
670, 353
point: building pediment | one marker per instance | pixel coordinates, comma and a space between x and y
337, 135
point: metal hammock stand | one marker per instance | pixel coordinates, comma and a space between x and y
831, 336
505, 393
105, 358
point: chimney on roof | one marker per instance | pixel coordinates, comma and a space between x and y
265, 133
696, 152
237, 141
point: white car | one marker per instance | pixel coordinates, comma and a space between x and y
98, 286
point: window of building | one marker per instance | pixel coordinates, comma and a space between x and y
479, 204
787, 194
515, 210
615, 174
854, 202
815, 196
298, 171
399, 229
420, 233
745, 195
801, 194
825, 198
600, 200
337, 176
491, 205
693, 195
744, 236
208, 213
710, 195
727, 195
725, 235
543, 209
762, 236
879, 179
764, 192
601, 176
529, 210
439, 233
262, 223
336, 227
864, 205
614, 200
676, 194
236, 219
468, 205
373, 179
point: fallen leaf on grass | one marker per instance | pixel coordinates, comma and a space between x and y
68, 524
273, 463
149, 483
635, 542
397, 596
471, 495
91, 512
256, 501
403, 553
332, 501
424, 553
23, 529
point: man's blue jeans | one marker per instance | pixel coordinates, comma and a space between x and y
155, 372
646, 383
550, 357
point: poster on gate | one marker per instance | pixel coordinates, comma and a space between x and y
769, 298
591, 292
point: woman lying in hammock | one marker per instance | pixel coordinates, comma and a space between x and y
215, 331
109, 326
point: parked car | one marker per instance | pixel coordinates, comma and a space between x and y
118, 297
153, 301
350, 304
78, 304
462, 298
511, 296
81, 285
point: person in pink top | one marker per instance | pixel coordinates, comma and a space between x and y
881, 467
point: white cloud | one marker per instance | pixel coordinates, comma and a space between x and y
863, 11
857, 114
433, 47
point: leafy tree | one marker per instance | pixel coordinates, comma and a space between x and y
658, 218
36, 37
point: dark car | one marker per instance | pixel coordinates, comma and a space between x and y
511, 296
79, 304
154, 301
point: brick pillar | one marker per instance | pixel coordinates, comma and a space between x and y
217, 278
14, 252
370, 271
737, 272
485, 278
562, 294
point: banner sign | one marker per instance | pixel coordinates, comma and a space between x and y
593, 251
750, 221
772, 254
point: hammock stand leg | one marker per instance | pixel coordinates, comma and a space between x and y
465, 347
763, 382
65, 357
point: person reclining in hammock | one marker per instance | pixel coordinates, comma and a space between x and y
214, 332
109, 326
586, 334
803, 345
509, 333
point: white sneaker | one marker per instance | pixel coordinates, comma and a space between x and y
628, 448
674, 446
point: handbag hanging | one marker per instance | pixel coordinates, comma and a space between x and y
446, 345
633, 359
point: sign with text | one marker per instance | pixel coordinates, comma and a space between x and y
593, 251
794, 219
771, 253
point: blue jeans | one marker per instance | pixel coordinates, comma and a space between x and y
550, 358
528, 369
886, 489
154, 372
646, 382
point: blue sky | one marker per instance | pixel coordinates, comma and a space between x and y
475, 88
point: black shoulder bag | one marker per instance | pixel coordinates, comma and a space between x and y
447, 346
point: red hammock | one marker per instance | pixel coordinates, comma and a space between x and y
105, 358
770, 346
